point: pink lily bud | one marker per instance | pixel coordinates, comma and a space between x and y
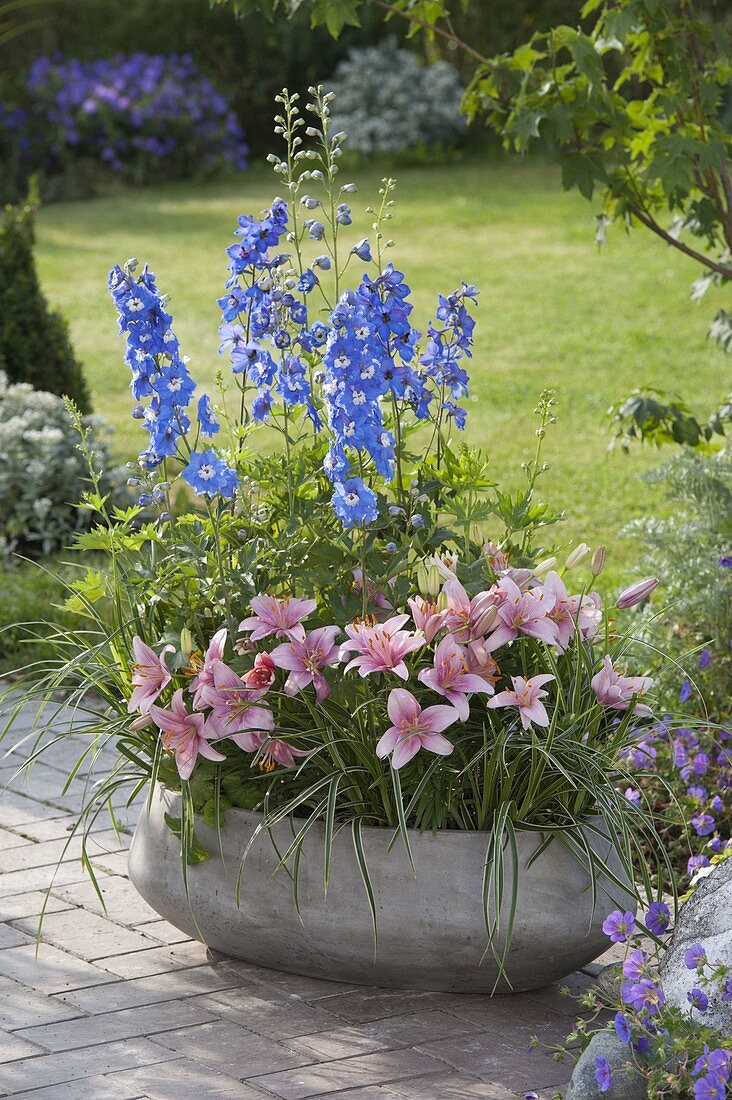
141, 722
597, 564
636, 593
544, 566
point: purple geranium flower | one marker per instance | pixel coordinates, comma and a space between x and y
658, 918
644, 996
710, 1087
698, 999
703, 824
635, 966
603, 1074
694, 863
695, 958
619, 926
622, 1027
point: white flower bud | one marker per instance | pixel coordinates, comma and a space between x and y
580, 551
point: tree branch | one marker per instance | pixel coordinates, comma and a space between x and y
447, 35
652, 224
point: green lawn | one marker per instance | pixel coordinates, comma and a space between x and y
554, 311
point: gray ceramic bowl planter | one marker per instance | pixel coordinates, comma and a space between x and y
431, 929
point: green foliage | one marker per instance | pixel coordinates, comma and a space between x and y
656, 417
631, 109
34, 341
684, 550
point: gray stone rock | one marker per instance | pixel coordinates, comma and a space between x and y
608, 981
706, 918
627, 1084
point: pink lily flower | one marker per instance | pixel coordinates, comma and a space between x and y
202, 684
283, 618
522, 613
468, 620
481, 663
428, 618
260, 678
526, 695
380, 647
564, 612
450, 676
150, 675
185, 735
616, 691
232, 713
307, 659
587, 612
414, 728
277, 752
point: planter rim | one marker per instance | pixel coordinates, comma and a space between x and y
169, 792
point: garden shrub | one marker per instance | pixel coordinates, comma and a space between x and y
34, 340
141, 117
686, 773
43, 473
691, 551
390, 103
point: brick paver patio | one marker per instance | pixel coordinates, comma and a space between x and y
119, 1004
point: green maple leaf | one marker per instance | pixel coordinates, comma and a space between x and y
335, 14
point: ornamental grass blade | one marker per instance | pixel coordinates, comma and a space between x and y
402, 829
365, 875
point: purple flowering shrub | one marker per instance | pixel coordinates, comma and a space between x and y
142, 117
673, 1051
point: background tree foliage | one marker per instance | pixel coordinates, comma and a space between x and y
633, 99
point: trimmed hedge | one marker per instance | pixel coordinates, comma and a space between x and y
34, 340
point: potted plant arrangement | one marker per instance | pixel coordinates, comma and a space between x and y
381, 731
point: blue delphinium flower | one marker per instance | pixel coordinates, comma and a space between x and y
307, 281
209, 424
354, 503
315, 229
363, 251
262, 406
208, 475
685, 693
449, 342
153, 355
